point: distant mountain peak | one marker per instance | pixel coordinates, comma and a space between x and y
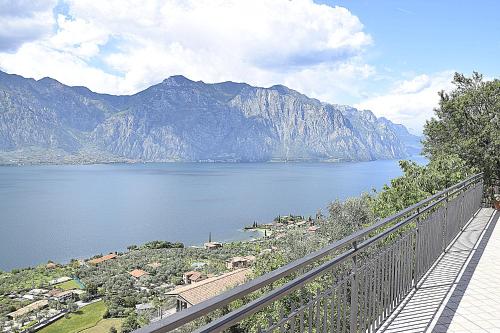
184, 120
281, 88
49, 80
177, 80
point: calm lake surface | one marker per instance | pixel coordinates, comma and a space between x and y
76, 211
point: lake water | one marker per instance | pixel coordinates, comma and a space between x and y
76, 211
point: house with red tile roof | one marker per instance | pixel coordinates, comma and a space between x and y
138, 273
191, 294
102, 259
192, 277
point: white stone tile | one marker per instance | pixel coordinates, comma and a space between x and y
466, 303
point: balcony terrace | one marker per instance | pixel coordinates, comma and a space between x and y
430, 267
461, 292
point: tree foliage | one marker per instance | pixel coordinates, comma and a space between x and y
346, 217
467, 125
159, 244
419, 182
130, 323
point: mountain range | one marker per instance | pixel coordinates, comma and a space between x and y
45, 121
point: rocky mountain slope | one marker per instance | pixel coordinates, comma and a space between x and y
182, 120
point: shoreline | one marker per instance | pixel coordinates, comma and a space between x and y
259, 234
138, 162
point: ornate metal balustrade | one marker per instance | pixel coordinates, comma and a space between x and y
352, 285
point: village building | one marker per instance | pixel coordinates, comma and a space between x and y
240, 262
269, 250
192, 277
37, 291
198, 265
195, 293
27, 309
138, 273
265, 251
51, 265
102, 259
212, 245
313, 228
154, 264
139, 308
60, 280
62, 296
53, 292
78, 292
301, 223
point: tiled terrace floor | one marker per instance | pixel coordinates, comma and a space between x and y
461, 293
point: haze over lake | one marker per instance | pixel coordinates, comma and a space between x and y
76, 211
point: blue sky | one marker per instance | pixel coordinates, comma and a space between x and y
391, 57
429, 36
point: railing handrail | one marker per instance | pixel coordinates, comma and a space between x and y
196, 311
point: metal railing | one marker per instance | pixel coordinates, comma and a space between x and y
352, 285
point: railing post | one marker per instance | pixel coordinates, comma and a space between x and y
445, 224
354, 293
415, 268
462, 218
481, 195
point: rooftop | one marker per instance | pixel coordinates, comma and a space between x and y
28, 308
58, 293
144, 306
201, 291
138, 273
154, 264
60, 280
193, 276
103, 258
213, 244
242, 259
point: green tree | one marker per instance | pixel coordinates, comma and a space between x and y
467, 125
419, 182
72, 307
130, 323
346, 217
91, 289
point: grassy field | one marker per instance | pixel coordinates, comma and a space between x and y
87, 317
68, 285
104, 325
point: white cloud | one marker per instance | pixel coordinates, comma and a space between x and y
410, 102
23, 20
78, 37
123, 46
39, 60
